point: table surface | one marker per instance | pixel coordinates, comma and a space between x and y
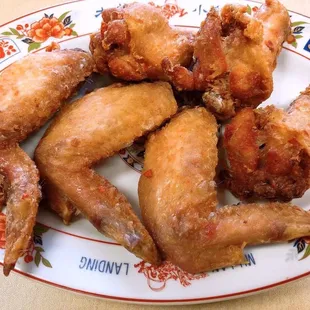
18, 292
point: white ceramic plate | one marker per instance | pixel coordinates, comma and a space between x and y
80, 259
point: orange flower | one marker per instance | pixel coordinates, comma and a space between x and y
68, 31
290, 39
45, 28
52, 47
2, 231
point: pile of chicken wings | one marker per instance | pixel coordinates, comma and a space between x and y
226, 69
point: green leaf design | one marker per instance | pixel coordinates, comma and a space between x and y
37, 259
249, 10
307, 252
39, 249
74, 33
46, 263
62, 16
72, 25
39, 229
298, 36
298, 23
14, 31
294, 44
20, 37
33, 46
7, 33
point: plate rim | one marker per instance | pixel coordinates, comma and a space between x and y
164, 301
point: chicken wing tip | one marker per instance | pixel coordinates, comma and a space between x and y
7, 268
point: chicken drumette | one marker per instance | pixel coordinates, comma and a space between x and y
133, 41
268, 151
235, 55
94, 128
31, 89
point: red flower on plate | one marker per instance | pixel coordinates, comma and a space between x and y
45, 28
6, 49
52, 47
40, 31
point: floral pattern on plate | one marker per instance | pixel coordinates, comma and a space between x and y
165, 272
8, 48
35, 248
40, 31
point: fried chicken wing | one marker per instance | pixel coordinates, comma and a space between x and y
31, 89
269, 151
94, 128
235, 56
178, 200
58, 202
135, 39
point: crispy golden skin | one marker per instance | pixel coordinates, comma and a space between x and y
31, 89
269, 151
178, 200
94, 128
235, 56
134, 40
23, 196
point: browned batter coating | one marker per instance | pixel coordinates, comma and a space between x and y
94, 128
177, 196
235, 55
133, 41
31, 89
268, 151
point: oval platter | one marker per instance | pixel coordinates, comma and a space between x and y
80, 259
